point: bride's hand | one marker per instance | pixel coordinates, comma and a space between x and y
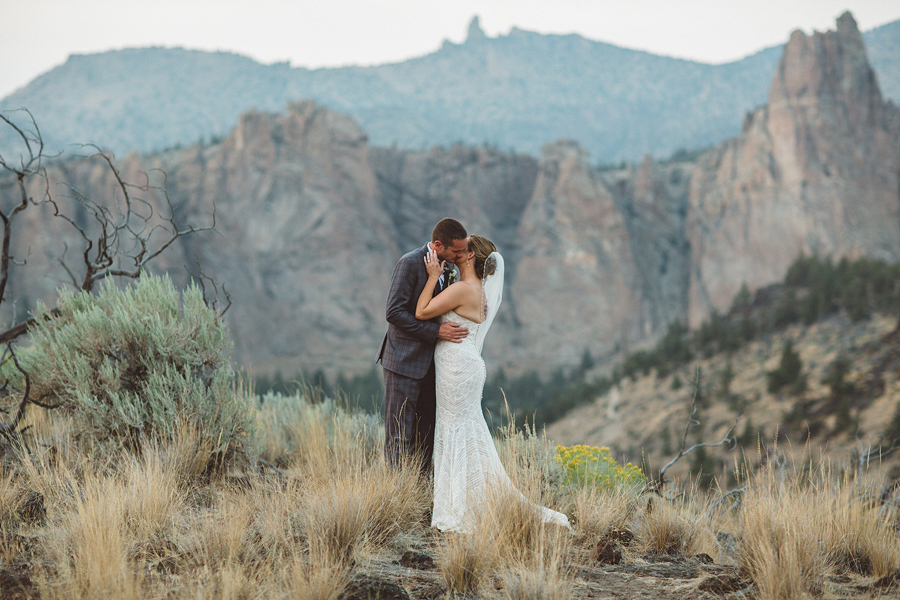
433, 265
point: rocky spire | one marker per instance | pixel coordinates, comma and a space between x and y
830, 67
476, 33
815, 171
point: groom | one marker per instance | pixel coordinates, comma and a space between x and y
407, 351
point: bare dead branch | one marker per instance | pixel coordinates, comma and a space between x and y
218, 289
726, 495
62, 262
124, 240
684, 450
867, 453
7, 430
26, 162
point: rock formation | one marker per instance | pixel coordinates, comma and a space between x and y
311, 220
814, 171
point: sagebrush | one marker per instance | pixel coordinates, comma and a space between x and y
141, 362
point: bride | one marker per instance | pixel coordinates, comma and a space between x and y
466, 463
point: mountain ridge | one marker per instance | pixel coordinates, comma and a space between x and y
519, 91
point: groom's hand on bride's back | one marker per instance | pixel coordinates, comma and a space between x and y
452, 332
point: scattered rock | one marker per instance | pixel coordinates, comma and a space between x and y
623, 537
433, 591
365, 587
417, 560
727, 542
723, 584
887, 581
668, 570
16, 585
606, 552
663, 557
31, 508
854, 562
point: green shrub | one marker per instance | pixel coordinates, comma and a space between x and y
788, 370
743, 300
139, 362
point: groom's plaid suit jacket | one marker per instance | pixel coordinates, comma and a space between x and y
408, 346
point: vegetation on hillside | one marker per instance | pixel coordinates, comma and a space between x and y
813, 288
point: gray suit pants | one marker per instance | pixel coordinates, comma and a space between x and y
409, 413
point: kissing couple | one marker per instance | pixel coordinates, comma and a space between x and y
443, 299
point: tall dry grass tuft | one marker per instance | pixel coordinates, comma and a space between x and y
466, 561
780, 544
152, 496
218, 535
277, 527
540, 583
665, 528
188, 457
795, 529
228, 582
319, 437
10, 494
530, 461
302, 580
509, 535
598, 512
860, 535
520, 534
355, 508
88, 547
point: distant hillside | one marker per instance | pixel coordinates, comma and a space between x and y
844, 397
516, 91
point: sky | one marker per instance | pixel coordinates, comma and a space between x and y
37, 35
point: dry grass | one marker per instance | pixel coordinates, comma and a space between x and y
465, 562
795, 529
599, 512
860, 533
159, 524
667, 528
781, 546
510, 537
540, 583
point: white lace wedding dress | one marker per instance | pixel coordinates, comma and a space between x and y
466, 463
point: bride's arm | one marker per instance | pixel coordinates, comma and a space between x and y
429, 307
450, 299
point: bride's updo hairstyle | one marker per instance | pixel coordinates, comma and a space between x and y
482, 247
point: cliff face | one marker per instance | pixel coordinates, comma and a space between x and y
815, 171
302, 236
311, 220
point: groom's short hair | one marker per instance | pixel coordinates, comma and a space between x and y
448, 230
